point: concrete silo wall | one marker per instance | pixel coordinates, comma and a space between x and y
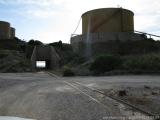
107, 20
100, 27
12, 32
4, 30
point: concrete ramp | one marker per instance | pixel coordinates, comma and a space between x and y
45, 53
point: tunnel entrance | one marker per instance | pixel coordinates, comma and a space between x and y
45, 57
41, 64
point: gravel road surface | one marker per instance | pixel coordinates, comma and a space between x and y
43, 97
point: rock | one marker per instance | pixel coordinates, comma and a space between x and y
147, 87
122, 93
154, 93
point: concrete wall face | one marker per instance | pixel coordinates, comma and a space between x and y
107, 20
97, 43
45, 53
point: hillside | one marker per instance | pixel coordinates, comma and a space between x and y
14, 61
12, 56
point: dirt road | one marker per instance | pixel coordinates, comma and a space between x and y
43, 97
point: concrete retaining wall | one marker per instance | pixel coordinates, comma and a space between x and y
97, 43
45, 53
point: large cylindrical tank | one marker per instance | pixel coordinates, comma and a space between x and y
107, 20
12, 32
4, 30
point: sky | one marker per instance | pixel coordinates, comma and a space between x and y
54, 20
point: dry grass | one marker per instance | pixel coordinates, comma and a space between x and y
141, 100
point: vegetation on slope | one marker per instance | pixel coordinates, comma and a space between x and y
130, 56
14, 61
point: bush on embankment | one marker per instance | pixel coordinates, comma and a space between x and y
67, 72
105, 63
148, 63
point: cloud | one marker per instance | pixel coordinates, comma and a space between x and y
27, 2
40, 14
59, 17
36, 8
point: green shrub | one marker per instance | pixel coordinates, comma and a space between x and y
57, 44
105, 63
34, 42
68, 72
9, 44
149, 62
78, 60
2, 55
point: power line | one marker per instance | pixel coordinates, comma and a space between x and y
147, 34
77, 25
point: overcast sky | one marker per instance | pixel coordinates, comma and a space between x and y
54, 20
